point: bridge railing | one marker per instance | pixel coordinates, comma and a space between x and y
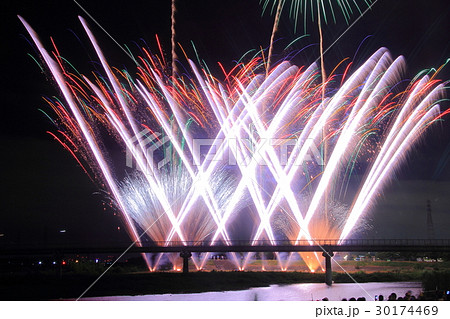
316, 242
241, 243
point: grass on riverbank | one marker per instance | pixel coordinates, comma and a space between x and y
70, 281
70, 286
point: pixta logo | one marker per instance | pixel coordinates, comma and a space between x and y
142, 149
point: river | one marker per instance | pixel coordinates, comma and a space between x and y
296, 292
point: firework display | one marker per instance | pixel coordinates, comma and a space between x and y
198, 152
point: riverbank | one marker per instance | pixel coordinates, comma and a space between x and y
40, 286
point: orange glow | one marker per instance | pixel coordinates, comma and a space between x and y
313, 262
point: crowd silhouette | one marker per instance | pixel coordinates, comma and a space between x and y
423, 296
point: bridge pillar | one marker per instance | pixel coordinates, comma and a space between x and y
185, 255
328, 273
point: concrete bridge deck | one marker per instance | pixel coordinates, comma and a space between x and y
321, 245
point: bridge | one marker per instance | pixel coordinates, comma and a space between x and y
325, 246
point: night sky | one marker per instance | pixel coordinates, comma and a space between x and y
43, 189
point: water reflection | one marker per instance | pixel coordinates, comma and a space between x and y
297, 292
